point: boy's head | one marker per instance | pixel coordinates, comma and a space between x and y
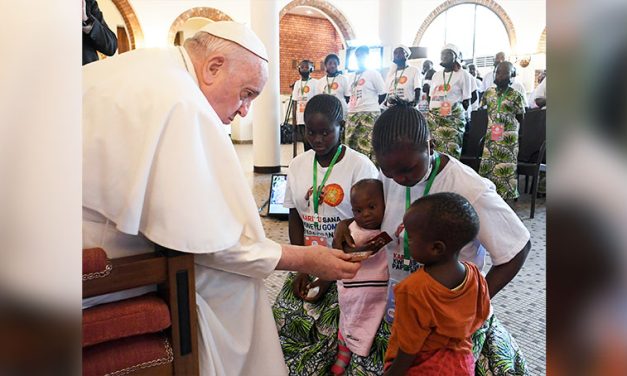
439, 226
368, 203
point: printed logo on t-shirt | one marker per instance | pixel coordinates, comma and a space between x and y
306, 89
324, 228
332, 194
402, 80
361, 82
334, 86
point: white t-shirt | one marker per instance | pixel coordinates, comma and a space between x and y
337, 86
302, 92
365, 88
501, 232
403, 82
353, 167
459, 89
539, 92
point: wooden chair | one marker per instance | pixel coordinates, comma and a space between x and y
106, 346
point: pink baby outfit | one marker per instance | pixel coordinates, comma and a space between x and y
363, 299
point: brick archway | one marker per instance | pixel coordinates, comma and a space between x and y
542, 42
204, 12
135, 33
490, 4
336, 17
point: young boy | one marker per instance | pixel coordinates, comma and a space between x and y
440, 305
304, 90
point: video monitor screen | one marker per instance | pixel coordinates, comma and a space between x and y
278, 185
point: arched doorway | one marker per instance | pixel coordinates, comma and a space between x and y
190, 21
133, 28
299, 21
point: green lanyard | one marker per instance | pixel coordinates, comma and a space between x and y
406, 255
302, 88
447, 85
500, 99
396, 79
330, 86
316, 189
354, 85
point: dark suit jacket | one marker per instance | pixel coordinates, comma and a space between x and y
100, 38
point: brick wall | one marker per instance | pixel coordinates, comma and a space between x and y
304, 38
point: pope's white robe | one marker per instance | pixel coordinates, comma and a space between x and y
159, 167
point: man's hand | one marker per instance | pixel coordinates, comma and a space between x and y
329, 264
84, 12
322, 262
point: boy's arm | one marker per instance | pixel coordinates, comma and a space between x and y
401, 364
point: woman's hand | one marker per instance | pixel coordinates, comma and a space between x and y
300, 285
342, 238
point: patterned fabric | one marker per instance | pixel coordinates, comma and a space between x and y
500, 158
497, 352
358, 131
448, 131
308, 336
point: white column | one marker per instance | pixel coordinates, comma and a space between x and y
390, 25
266, 117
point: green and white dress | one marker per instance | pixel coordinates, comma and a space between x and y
500, 151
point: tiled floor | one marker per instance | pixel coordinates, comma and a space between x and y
520, 305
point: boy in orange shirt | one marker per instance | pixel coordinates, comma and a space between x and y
444, 302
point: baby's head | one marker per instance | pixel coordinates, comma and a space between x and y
367, 203
439, 226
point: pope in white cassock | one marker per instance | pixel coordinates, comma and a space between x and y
158, 168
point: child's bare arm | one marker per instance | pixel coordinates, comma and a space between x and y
401, 364
296, 229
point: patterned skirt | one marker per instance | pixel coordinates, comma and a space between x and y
448, 131
499, 160
358, 131
308, 335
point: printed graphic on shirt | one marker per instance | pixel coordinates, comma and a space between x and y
334, 86
361, 82
306, 89
324, 228
402, 80
332, 194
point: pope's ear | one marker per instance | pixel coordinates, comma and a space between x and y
212, 67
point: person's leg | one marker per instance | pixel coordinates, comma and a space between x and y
343, 356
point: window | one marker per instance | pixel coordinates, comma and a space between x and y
475, 29
375, 58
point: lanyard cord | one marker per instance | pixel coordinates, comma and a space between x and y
447, 85
500, 99
406, 254
316, 189
357, 77
397, 79
302, 88
331, 85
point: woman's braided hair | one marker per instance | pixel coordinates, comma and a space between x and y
327, 105
401, 122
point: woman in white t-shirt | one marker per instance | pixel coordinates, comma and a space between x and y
334, 83
367, 93
304, 90
317, 194
403, 81
450, 97
410, 169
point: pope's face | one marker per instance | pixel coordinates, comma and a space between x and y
237, 83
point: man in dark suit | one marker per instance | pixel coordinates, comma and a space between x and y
96, 34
